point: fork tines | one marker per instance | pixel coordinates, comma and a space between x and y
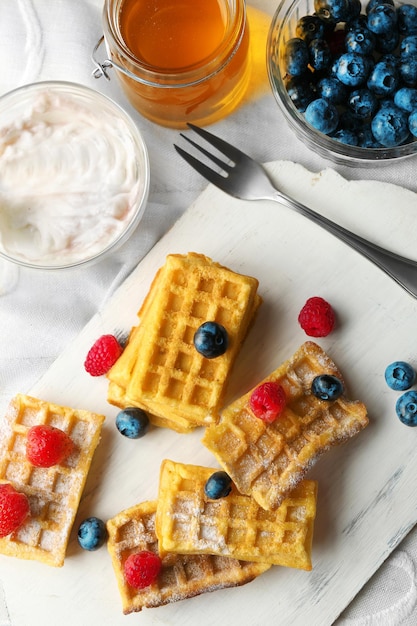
230, 152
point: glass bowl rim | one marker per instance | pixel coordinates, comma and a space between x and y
322, 144
141, 152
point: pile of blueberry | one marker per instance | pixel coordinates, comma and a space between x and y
353, 74
401, 376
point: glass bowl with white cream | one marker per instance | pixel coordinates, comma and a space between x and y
74, 175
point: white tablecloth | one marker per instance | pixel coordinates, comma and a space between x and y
44, 40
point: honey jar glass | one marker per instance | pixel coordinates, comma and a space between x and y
178, 61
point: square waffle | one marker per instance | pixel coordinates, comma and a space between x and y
268, 460
181, 576
160, 370
235, 526
54, 492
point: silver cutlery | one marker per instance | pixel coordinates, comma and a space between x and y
244, 178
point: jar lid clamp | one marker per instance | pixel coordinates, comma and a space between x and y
100, 67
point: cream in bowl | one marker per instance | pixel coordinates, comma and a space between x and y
74, 175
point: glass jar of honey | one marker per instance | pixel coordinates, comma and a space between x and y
178, 61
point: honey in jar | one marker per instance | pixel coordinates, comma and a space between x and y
179, 60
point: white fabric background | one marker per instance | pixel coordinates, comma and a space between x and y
53, 39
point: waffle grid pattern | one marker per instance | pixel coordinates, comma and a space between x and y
267, 461
190, 300
181, 576
168, 377
54, 492
188, 522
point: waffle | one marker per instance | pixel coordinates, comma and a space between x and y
235, 526
54, 493
181, 576
160, 370
268, 460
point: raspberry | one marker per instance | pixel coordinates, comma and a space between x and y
317, 317
102, 355
141, 569
47, 446
268, 401
14, 508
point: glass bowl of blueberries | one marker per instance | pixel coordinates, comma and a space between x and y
344, 74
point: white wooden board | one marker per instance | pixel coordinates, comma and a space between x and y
367, 492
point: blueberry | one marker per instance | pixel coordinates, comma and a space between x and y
408, 70
91, 533
218, 485
407, 19
366, 138
332, 10
382, 19
132, 423
406, 408
357, 23
408, 47
406, 99
360, 40
386, 102
211, 340
346, 136
319, 55
332, 73
296, 56
350, 121
390, 59
390, 126
310, 27
327, 387
322, 115
412, 123
300, 91
373, 3
400, 376
363, 103
354, 9
388, 42
330, 88
383, 79
352, 69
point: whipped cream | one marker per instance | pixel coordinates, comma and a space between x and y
69, 180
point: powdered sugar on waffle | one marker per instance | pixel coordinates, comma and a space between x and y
54, 493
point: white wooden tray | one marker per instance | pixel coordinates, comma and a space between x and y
367, 491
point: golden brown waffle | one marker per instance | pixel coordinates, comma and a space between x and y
268, 460
54, 493
181, 576
236, 526
160, 370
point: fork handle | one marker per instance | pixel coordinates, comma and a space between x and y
400, 269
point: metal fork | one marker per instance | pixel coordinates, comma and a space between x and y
245, 178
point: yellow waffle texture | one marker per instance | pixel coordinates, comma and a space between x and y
268, 460
181, 576
160, 370
236, 526
54, 493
